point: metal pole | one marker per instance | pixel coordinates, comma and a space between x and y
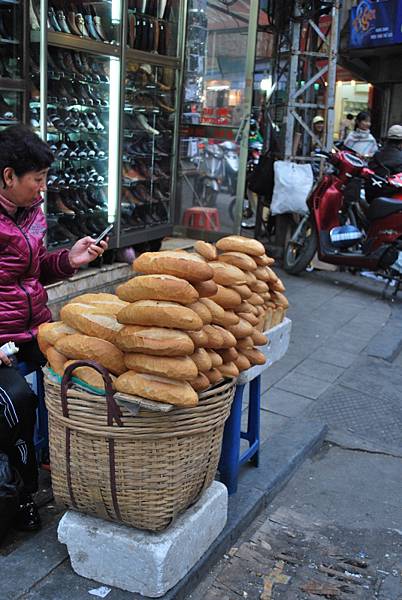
292, 84
331, 77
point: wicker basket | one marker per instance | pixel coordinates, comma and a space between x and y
141, 470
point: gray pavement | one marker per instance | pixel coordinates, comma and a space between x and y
335, 530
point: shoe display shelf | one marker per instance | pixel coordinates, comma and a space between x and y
108, 111
13, 66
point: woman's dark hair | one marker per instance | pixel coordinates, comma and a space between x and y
23, 150
349, 116
362, 116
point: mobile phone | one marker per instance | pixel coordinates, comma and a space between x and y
104, 234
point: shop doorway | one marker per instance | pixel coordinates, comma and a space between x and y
216, 108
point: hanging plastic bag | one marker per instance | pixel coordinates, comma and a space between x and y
293, 183
10, 487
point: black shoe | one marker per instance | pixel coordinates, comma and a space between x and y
27, 517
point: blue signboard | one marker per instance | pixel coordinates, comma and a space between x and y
375, 23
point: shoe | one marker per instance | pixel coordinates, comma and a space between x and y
71, 20
51, 15
98, 26
27, 517
143, 123
6, 111
61, 207
80, 22
33, 19
91, 28
62, 21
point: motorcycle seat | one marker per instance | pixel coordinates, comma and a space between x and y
382, 207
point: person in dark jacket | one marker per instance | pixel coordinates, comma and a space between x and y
388, 160
25, 267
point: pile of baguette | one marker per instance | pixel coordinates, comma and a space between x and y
183, 323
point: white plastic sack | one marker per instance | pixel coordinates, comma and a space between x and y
293, 183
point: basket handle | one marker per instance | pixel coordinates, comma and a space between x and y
113, 411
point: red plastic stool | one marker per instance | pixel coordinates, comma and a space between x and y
201, 217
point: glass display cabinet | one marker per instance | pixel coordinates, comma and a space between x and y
103, 93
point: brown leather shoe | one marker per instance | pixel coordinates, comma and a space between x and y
61, 207
72, 24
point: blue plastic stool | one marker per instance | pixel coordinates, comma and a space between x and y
41, 432
231, 459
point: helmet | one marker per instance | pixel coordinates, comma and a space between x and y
318, 119
395, 132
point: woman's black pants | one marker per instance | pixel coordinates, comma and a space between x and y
18, 405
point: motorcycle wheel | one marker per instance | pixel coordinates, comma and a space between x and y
301, 247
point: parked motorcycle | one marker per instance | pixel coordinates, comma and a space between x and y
219, 166
349, 232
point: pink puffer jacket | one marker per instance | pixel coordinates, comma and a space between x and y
25, 267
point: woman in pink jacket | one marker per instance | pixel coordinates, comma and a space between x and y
25, 267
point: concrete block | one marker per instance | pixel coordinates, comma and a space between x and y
141, 561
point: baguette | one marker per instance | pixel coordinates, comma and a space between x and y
202, 311
244, 307
225, 274
279, 299
84, 347
179, 264
226, 297
265, 274
238, 243
105, 327
202, 359
254, 356
154, 313
244, 291
199, 338
206, 288
216, 359
178, 367
229, 340
107, 304
239, 259
228, 355
157, 287
217, 312
56, 360
207, 251
49, 333
264, 261
250, 277
278, 286
215, 338
256, 299
249, 317
242, 363
242, 329
214, 376
154, 340
245, 343
259, 287
89, 375
159, 389
200, 383
229, 318
229, 369
259, 338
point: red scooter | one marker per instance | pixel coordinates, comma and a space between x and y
349, 232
